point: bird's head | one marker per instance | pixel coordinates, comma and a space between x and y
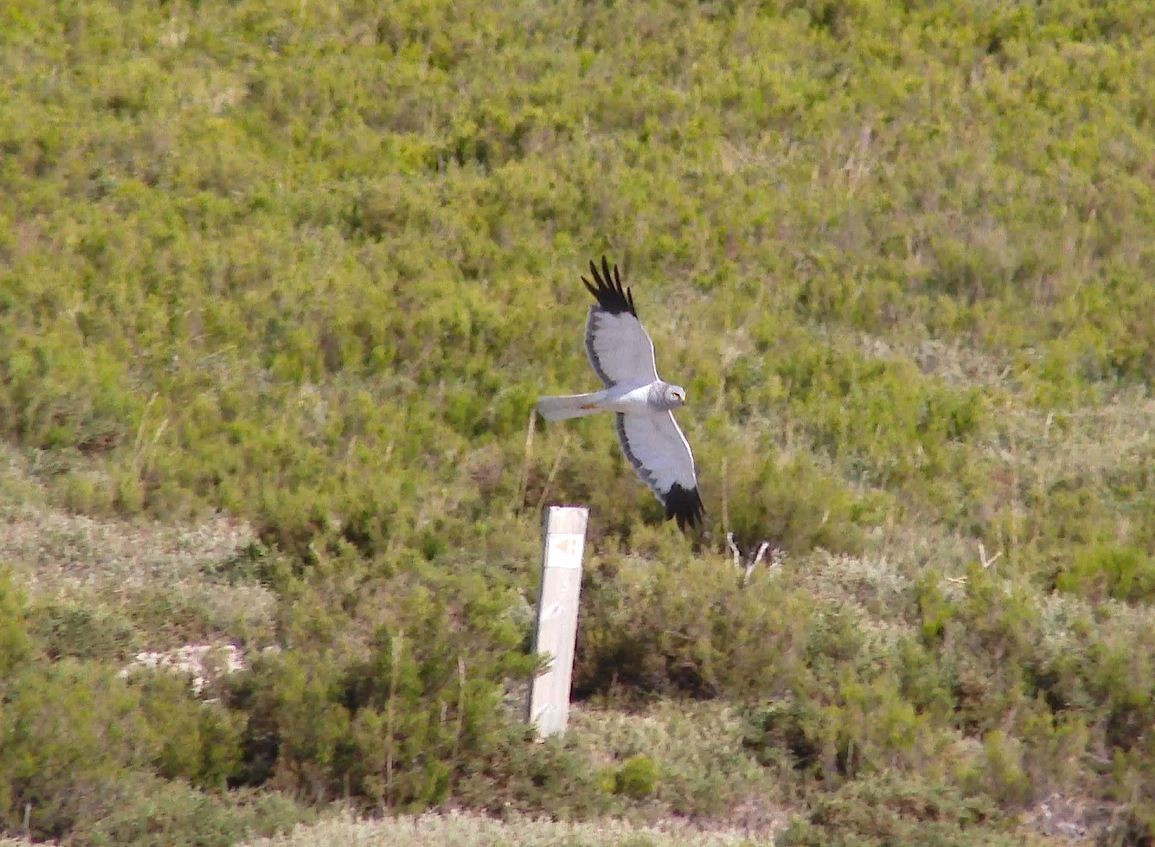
675, 396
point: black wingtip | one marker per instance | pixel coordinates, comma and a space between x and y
684, 505
608, 290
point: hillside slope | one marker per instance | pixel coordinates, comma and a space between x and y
280, 282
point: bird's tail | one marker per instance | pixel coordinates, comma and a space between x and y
569, 406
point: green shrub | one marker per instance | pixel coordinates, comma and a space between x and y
151, 812
1006, 780
1134, 826
685, 625
637, 778
797, 507
77, 631
199, 741
520, 773
1121, 573
794, 726
72, 732
893, 810
397, 723
15, 643
864, 729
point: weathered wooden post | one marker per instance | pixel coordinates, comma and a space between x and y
564, 531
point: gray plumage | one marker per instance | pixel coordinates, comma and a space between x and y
622, 355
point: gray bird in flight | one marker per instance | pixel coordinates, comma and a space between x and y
622, 355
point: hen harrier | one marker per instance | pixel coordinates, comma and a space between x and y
623, 356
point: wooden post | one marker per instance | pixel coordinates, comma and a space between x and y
564, 530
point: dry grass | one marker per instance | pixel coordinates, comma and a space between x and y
117, 565
462, 829
697, 749
1089, 442
949, 361
1035, 446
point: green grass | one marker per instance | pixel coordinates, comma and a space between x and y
280, 282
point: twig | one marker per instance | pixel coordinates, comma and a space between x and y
749, 568
141, 451
390, 711
726, 504
524, 481
762, 548
458, 728
983, 560
730, 540
139, 443
552, 473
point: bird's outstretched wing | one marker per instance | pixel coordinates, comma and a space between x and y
661, 455
618, 348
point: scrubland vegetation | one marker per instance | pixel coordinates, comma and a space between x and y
280, 281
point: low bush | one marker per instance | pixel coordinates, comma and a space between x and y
15, 643
70, 629
684, 625
146, 811
637, 778
72, 731
397, 721
1119, 573
897, 810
